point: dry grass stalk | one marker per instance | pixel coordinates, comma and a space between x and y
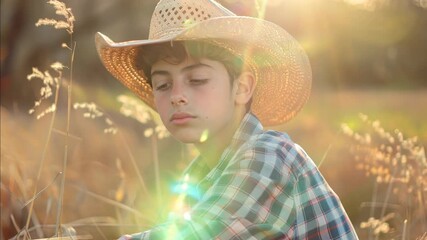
46, 92
399, 166
50, 89
61, 10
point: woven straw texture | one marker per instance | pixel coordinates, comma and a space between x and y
281, 66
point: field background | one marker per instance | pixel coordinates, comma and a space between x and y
367, 57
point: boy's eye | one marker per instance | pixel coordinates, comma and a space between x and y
163, 86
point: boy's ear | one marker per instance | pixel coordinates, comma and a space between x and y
245, 85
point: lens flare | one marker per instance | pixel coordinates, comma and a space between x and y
204, 136
187, 216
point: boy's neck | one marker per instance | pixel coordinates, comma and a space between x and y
211, 155
212, 149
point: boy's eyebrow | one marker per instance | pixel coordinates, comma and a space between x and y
159, 72
197, 65
188, 68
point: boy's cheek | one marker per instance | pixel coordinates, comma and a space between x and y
161, 105
164, 116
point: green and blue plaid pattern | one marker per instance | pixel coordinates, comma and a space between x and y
264, 187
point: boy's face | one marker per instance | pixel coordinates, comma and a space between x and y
194, 98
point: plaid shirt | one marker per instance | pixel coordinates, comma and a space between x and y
263, 187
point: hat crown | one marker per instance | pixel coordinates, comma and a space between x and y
172, 16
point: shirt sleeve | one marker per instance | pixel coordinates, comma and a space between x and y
255, 198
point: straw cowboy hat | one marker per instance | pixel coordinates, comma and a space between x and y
279, 63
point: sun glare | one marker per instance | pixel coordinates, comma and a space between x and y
204, 136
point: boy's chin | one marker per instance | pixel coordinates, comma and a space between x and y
188, 137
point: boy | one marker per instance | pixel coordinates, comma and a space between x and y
214, 77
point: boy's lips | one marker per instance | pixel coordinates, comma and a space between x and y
181, 118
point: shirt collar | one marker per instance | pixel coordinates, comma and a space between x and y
249, 126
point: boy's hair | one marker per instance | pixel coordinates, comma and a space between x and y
177, 52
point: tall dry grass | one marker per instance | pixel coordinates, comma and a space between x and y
46, 92
37, 192
398, 168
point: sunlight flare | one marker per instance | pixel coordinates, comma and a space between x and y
204, 136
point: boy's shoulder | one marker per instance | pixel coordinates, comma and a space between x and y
276, 148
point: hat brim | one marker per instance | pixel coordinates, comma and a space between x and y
280, 64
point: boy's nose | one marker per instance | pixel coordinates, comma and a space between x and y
178, 96
178, 100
